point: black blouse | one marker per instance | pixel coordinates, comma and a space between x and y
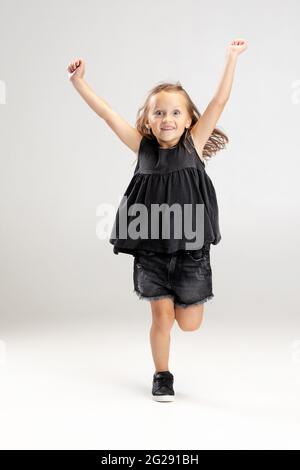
166, 176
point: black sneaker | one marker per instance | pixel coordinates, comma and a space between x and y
162, 387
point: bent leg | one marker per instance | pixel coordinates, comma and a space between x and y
189, 318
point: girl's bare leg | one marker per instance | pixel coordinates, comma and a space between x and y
163, 317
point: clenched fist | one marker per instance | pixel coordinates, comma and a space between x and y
76, 69
237, 46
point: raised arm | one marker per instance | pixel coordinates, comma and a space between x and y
128, 134
205, 125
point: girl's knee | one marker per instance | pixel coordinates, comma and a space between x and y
163, 314
164, 322
189, 326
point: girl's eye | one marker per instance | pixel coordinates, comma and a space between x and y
160, 111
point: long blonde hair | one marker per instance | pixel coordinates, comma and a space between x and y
217, 139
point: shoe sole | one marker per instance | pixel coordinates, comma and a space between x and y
163, 397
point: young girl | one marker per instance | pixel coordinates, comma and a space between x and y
172, 141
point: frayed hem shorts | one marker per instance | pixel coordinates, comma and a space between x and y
185, 276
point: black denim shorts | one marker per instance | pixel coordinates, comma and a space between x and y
185, 276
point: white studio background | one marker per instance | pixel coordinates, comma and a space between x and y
60, 162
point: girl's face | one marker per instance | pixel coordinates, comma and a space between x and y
168, 117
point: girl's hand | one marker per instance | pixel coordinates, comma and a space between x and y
237, 46
76, 69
